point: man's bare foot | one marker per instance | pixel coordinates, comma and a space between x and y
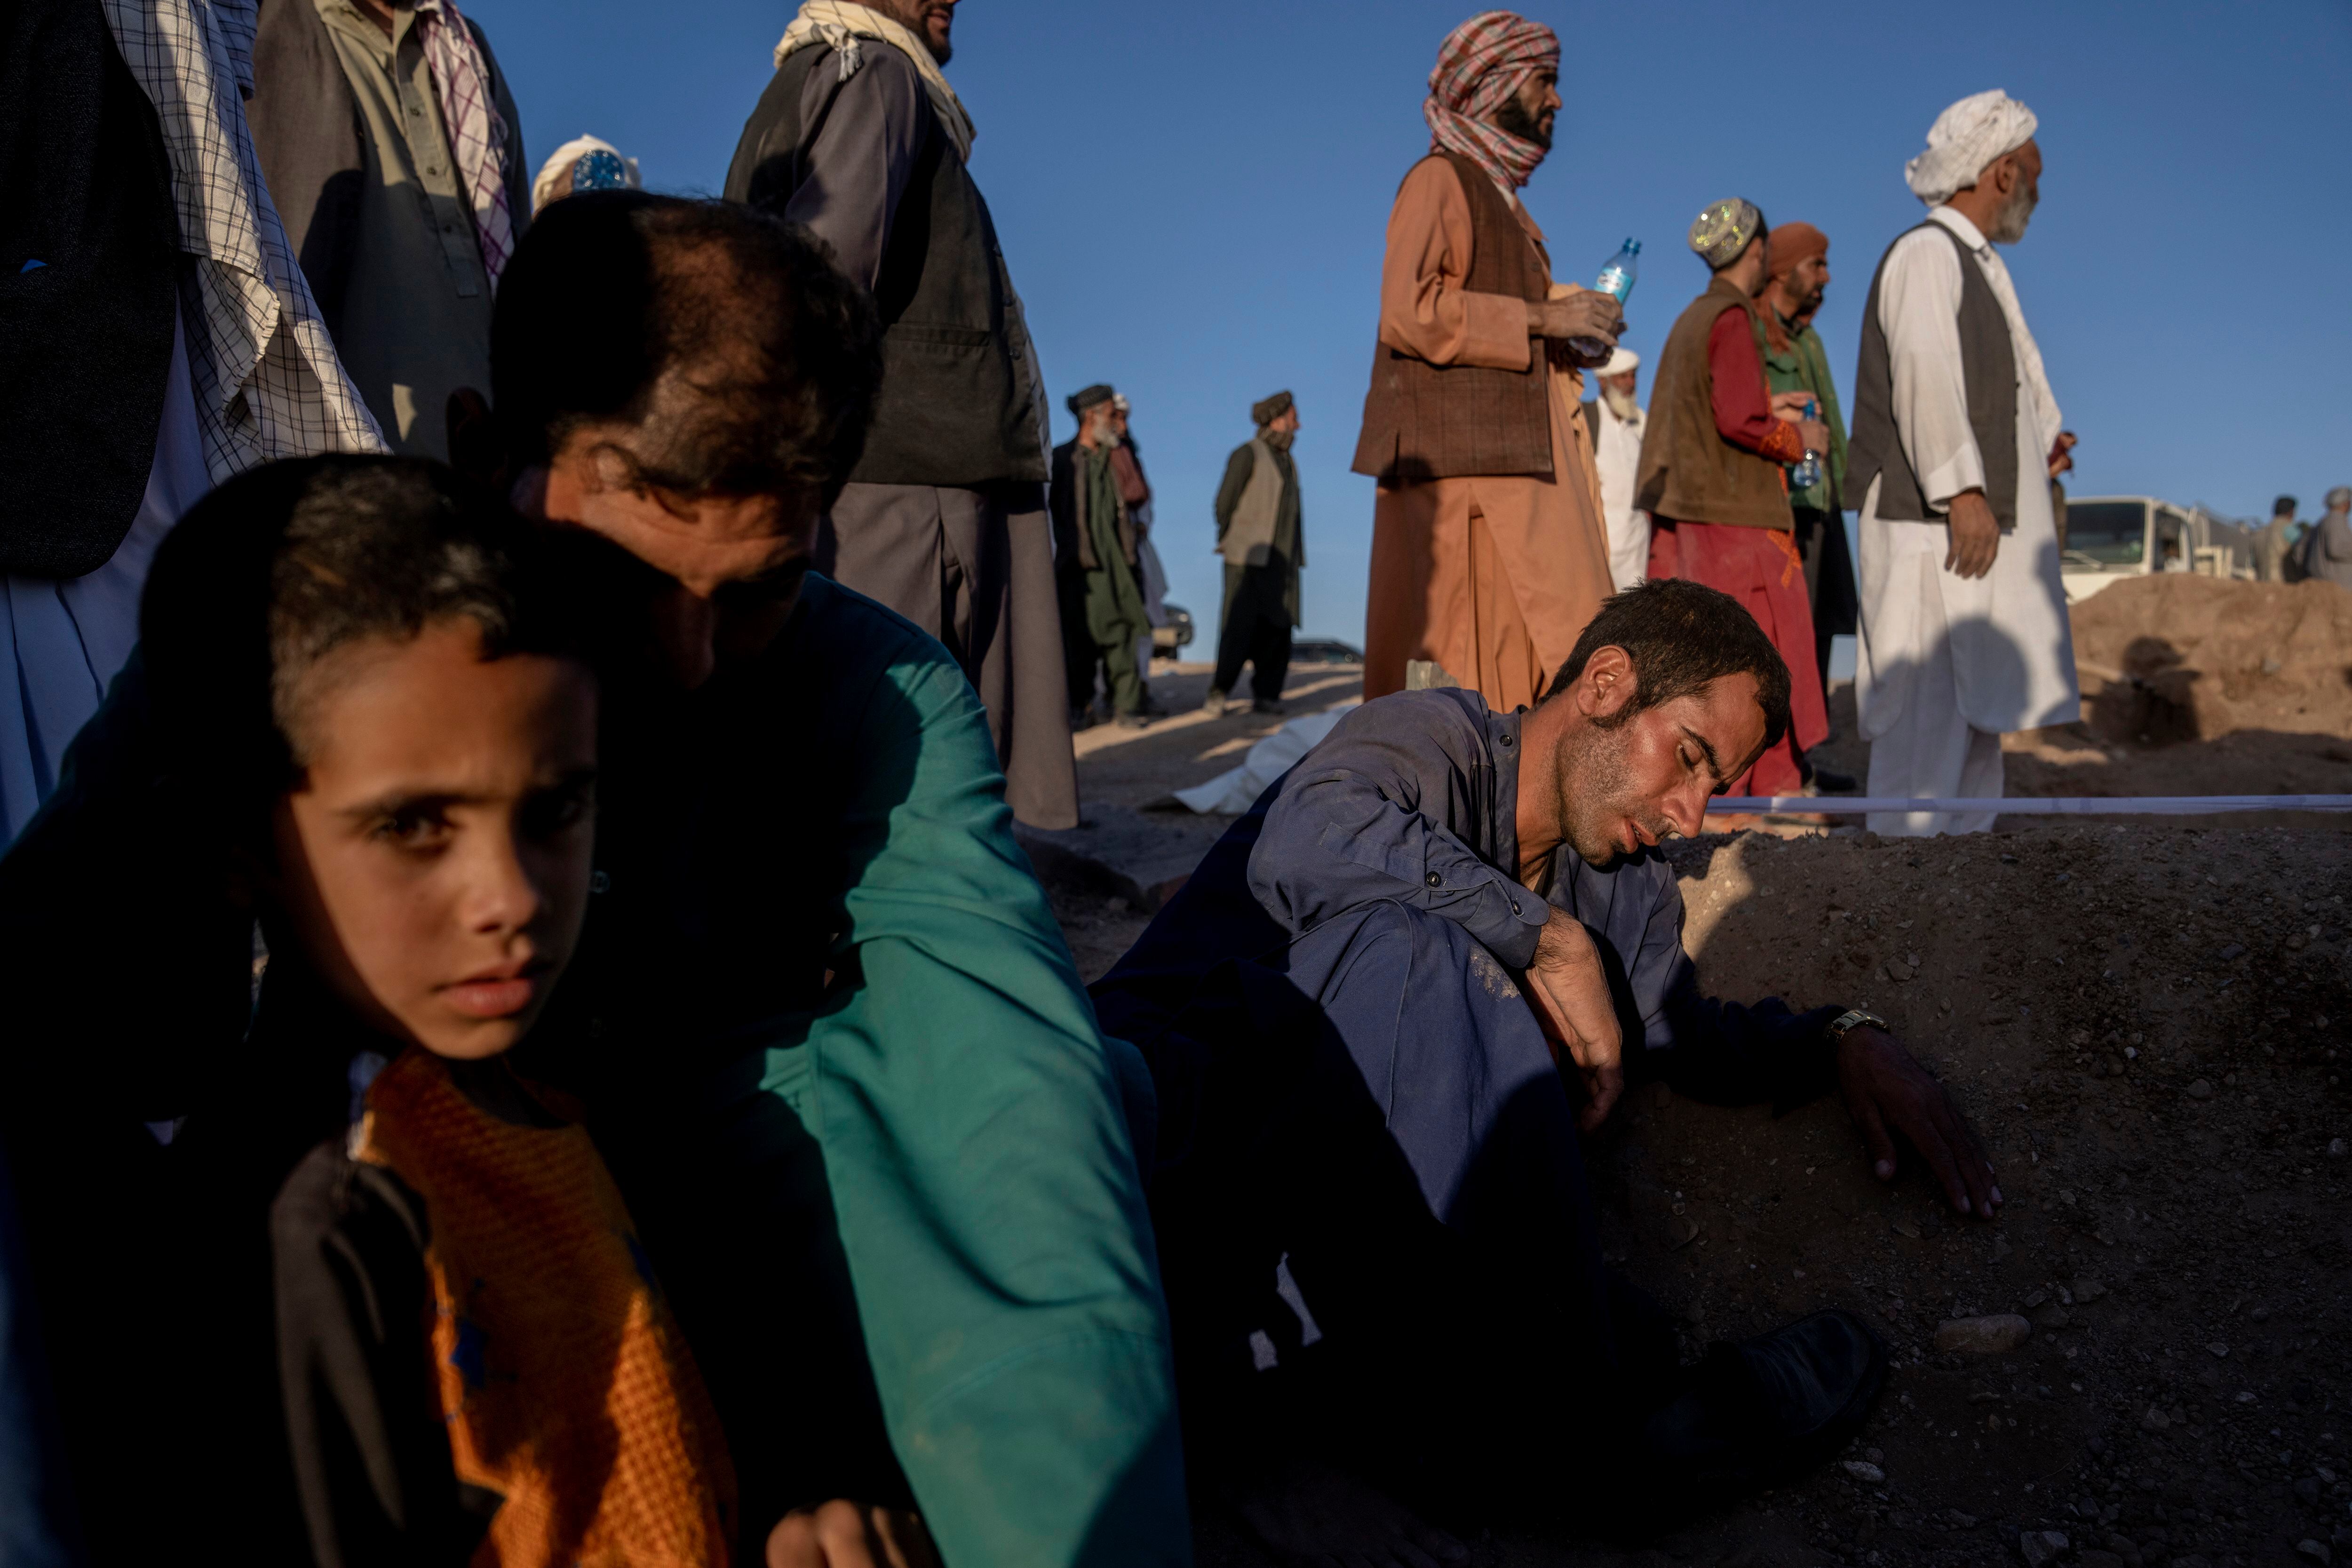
1311, 1513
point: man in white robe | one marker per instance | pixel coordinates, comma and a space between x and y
1964, 633
1617, 423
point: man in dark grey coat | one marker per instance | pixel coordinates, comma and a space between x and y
860, 137
2327, 555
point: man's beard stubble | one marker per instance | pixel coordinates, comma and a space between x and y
915, 15
2008, 224
1597, 792
1512, 119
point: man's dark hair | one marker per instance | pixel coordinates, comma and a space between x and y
278, 567
745, 358
1682, 636
2283, 506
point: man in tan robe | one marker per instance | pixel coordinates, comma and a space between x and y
1489, 551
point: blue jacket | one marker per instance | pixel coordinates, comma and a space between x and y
1414, 798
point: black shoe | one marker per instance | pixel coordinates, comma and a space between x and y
1133, 720
1764, 1409
1267, 705
1830, 781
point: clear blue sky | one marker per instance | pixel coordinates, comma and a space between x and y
1191, 199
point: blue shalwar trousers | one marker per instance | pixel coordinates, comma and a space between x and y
1372, 1211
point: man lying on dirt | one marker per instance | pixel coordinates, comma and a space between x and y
1359, 1013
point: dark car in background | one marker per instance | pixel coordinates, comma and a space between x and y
1168, 641
1176, 635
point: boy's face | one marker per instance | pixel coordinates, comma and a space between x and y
436, 852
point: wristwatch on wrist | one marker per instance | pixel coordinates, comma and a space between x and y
1852, 1018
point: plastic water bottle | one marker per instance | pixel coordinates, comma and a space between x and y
1808, 472
1616, 280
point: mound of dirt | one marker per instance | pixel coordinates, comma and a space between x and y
2175, 656
2147, 1023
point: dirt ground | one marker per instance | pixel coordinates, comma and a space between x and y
2144, 1017
2182, 656
2190, 686
2079, 758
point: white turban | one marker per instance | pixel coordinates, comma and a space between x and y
1964, 139
1622, 361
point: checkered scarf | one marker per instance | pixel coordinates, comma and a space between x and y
266, 380
477, 133
1481, 64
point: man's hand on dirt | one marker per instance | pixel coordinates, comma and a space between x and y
1889, 1092
845, 1534
1569, 991
1976, 535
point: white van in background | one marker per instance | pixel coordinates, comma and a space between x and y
2107, 537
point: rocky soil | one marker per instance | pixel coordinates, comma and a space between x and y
2146, 1024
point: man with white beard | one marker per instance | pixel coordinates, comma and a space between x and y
1617, 422
1956, 438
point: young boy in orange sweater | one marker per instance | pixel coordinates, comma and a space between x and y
478, 1365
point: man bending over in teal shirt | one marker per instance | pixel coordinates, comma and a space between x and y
829, 1039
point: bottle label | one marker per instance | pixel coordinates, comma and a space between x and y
1614, 283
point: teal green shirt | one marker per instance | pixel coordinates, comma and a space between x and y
971, 1117
857, 917
1804, 366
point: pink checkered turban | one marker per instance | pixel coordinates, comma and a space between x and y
1481, 64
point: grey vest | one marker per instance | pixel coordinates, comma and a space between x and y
956, 406
1987, 365
1249, 537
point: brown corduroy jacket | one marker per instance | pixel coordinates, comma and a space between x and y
1424, 421
1689, 472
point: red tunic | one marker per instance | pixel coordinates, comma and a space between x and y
1757, 566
